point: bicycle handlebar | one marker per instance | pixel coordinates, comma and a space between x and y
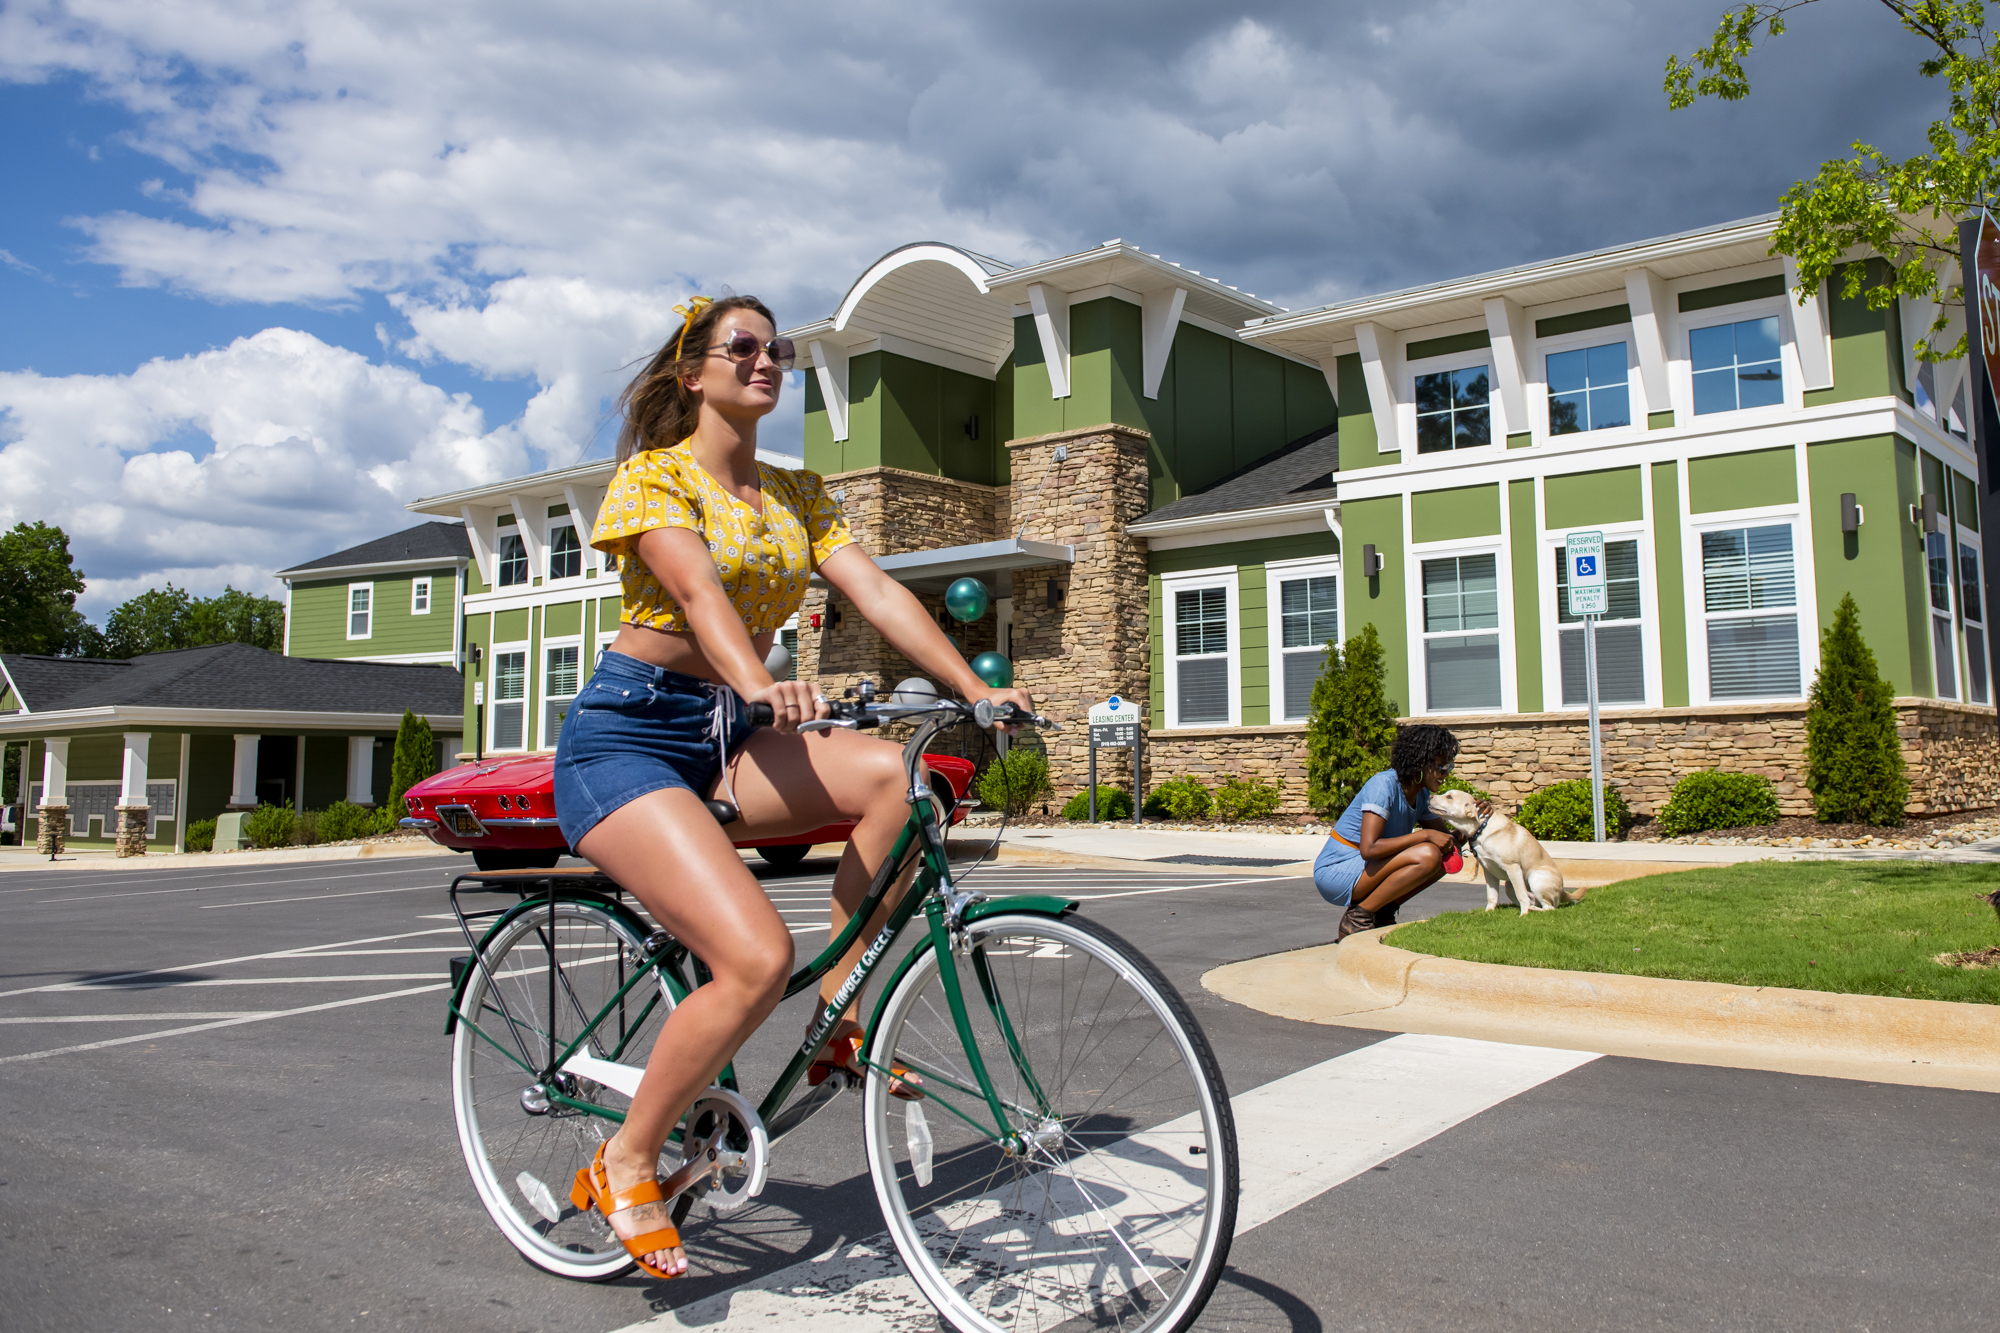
865, 715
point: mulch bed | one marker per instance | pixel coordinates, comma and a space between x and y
1978, 958
1804, 826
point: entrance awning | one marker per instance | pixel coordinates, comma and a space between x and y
933, 571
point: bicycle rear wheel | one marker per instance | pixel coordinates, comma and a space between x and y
522, 1147
1119, 1209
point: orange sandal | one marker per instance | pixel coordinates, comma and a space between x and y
903, 1085
593, 1190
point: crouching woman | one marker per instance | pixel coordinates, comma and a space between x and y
1386, 848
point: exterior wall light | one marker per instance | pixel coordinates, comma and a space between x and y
1371, 563
1851, 516
1925, 514
1055, 594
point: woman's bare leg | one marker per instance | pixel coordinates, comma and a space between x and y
1396, 879
669, 852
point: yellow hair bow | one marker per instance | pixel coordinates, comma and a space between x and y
694, 307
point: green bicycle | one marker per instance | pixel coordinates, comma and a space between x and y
1071, 1154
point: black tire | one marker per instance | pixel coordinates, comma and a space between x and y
512, 858
785, 856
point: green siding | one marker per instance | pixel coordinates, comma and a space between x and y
1254, 652
564, 619
96, 758
1527, 561
1931, 468
510, 626
1867, 351
1882, 565
533, 730
822, 451
8, 703
1965, 501
1603, 317
1660, 420
1357, 422
1476, 341
326, 771
319, 617
1755, 289
1157, 656
1591, 499
1520, 439
1743, 481
1378, 600
211, 768
478, 631
608, 611
1672, 587
923, 412
1462, 511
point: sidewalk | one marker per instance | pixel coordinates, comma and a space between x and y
26, 858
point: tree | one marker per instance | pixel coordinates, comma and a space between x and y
233, 616
39, 583
1351, 725
161, 619
415, 758
1906, 212
152, 622
1854, 760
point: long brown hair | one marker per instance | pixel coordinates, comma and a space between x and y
658, 409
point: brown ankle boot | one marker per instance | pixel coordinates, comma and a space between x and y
1355, 919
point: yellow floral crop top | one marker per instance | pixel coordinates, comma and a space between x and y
763, 561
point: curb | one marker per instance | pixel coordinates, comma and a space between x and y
1364, 982
213, 860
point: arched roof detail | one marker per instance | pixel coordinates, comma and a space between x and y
935, 295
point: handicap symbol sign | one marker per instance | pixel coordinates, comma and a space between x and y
1586, 566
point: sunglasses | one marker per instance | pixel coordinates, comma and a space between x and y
743, 346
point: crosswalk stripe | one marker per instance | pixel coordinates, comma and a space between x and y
1297, 1137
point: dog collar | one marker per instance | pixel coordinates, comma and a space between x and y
1473, 841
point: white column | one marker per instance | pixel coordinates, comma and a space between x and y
1507, 329
1051, 311
132, 787
1652, 319
361, 769
1382, 371
243, 785
55, 771
299, 775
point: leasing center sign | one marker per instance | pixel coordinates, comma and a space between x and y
1986, 264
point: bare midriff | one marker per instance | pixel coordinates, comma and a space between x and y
677, 650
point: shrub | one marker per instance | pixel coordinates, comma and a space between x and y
305, 828
1854, 761
1460, 784
269, 826
384, 819
1016, 780
1351, 725
1703, 801
1112, 803
1251, 798
344, 820
201, 836
1561, 812
415, 758
1180, 798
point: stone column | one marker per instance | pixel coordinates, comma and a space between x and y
132, 809
54, 813
243, 784
1088, 641
361, 770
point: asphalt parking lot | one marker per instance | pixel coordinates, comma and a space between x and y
225, 1106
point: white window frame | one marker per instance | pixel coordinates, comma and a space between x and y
556, 525
1539, 395
493, 701
1964, 536
420, 595
350, 612
1496, 546
1681, 368
1406, 408
541, 690
500, 536
1804, 596
1226, 578
1276, 574
1649, 617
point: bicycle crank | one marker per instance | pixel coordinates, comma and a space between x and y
726, 1153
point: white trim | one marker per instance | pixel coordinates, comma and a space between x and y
1652, 309
361, 769
1582, 340
1229, 579
1406, 408
1051, 311
1549, 639
348, 612
288, 630
1963, 537
568, 582
243, 769
586, 528
493, 701
1277, 573
428, 584
132, 769
1790, 403
1500, 548
404, 659
830, 364
269, 721
540, 688
336, 573
1160, 317
531, 535
485, 550
1508, 327
180, 804
1804, 595
1808, 329
1381, 369
895, 259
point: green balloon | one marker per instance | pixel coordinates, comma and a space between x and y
967, 600
994, 669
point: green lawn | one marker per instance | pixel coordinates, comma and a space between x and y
1858, 927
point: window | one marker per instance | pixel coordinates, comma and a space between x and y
1461, 669
558, 691
1621, 649
1944, 662
1736, 366
565, 553
1747, 575
1201, 656
1925, 389
1587, 390
360, 610
1970, 606
1307, 622
510, 694
1452, 411
1954, 420
513, 559
420, 597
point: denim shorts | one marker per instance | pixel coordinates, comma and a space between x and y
1335, 872
637, 728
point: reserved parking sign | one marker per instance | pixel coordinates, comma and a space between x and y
1585, 553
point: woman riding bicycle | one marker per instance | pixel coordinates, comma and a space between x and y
714, 550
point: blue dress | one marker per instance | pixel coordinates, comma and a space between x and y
1339, 866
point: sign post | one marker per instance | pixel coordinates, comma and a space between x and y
1979, 260
1114, 725
1585, 553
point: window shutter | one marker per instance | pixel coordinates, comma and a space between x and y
1754, 657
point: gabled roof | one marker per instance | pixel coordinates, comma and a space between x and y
427, 543
233, 677
1301, 472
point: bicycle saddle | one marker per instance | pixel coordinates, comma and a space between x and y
724, 812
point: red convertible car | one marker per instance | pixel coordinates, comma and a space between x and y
503, 811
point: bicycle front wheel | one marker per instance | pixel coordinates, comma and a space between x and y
1115, 1201
545, 976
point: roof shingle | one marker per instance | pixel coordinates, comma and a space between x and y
1302, 470
426, 541
234, 676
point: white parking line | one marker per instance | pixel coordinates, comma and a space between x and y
315, 897
218, 962
98, 987
225, 1023
88, 897
142, 1018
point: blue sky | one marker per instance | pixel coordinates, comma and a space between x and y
273, 271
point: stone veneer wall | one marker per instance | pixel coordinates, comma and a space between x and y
1274, 754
